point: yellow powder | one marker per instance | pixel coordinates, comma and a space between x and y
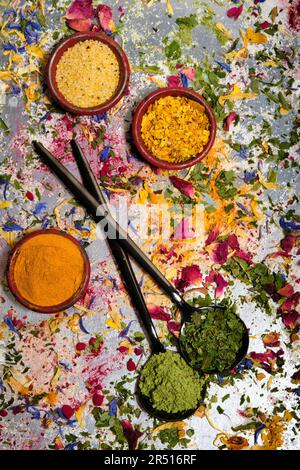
175, 128
88, 73
48, 270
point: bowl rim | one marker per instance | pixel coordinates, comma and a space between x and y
12, 284
141, 110
55, 56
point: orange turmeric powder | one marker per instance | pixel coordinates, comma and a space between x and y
48, 269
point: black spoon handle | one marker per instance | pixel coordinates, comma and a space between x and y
100, 213
120, 255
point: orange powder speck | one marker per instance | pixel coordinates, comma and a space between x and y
175, 128
48, 270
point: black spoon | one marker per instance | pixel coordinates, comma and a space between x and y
100, 213
133, 287
127, 272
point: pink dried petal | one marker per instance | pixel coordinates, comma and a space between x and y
132, 435
229, 120
185, 187
221, 285
80, 346
265, 25
233, 242
121, 11
174, 81
168, 252
220, 252
288, 243
105, 16
291, 303
271, 339
290, 319
212, 236
131, 365
67, 411
241, 254
97, 399
190, 275
189, 72
286, 291
294, 15
159, 313
80, 10
235, 12
80, 25
173, 326
29, 195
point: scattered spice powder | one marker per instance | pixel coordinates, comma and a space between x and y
175, 128
48, 270
88, 73
170, 383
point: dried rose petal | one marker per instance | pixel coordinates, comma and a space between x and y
105, 16
233, 242
290, 319
174, 81
265, 25
131, 434
220, 252
80, 10
173, 326
189, 72
229, 120
288, 243
212, 236
235, 12
241, 254
185, 187
97, 399
189, 275
80, 25
131, 365
286, 291
29, 196
80, 346
159, 313
271, 339
221, 285
67, 411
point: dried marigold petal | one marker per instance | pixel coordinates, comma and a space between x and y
175, 128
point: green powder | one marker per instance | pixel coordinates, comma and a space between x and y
170, 383
213, 338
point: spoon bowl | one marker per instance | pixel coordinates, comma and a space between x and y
240, 355
146, 404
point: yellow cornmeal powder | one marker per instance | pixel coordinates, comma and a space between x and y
175, 128
88, 73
